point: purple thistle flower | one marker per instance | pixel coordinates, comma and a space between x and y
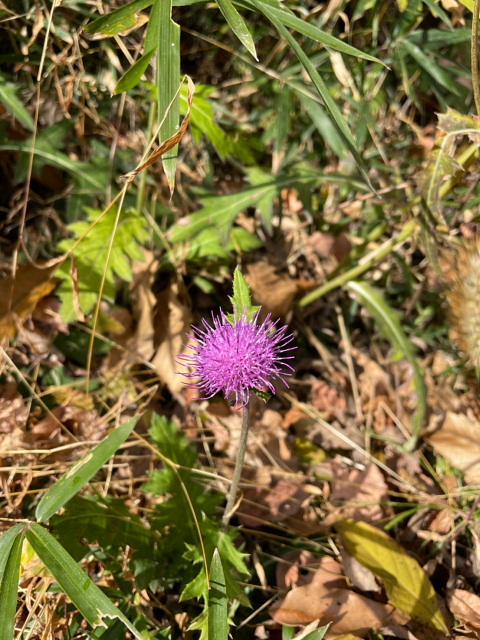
236, 358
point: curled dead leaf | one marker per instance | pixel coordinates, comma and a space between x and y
348, 611
274, 291
458, 440
465, 606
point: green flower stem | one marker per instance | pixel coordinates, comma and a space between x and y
237, 473
383, 251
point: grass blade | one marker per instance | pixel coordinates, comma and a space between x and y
92, 603
237, 25
10, 556
118, 20
390, 323
322, 89
11, 102
217, 601
82, 472
168, 82
274, 11
133, 76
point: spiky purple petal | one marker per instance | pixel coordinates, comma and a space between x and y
235, 358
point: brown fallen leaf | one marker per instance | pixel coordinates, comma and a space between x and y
465, 606
275, 292
172, 321
21, 293
299, 568
359, 576
458, 440
327, 245
359, 493
348, 611
13, 419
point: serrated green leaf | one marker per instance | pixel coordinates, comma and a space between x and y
10, 556
78, 476
237, 25
13, 104
118, 20
92, 603
217, 603
406, 583
91, 254
389, 321
220, 212
241, 299
133, 76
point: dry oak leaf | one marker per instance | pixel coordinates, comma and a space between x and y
275, 292
465, 606
458, 440
348, 611
359, 492
299, 568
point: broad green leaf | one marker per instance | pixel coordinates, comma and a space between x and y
13, 104
207, 244
91, 254
168, 82
118, 20
389, 321
133, 76
217, 605
406, 583
10, 556
92, 603
219, 212
237, 25
78, 476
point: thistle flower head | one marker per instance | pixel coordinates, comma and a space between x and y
236, 358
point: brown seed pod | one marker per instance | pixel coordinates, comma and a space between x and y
463, 298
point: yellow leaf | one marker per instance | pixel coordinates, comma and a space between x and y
406, 583
21, 293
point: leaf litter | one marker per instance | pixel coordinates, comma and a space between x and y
333, 490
